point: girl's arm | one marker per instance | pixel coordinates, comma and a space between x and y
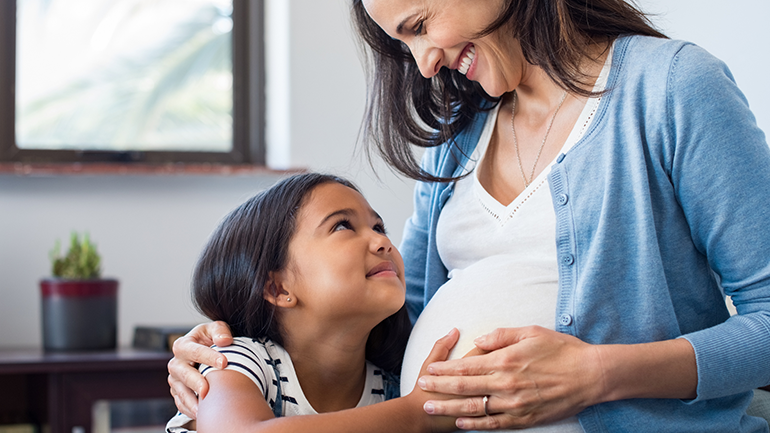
235, 404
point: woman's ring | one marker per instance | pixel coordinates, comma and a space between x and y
486, 402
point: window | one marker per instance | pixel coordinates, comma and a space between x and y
143, 81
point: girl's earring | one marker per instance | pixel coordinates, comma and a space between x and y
288, 299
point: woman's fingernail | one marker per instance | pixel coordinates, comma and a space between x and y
480, 339
429, 408
421, 383
459, 423
220, 363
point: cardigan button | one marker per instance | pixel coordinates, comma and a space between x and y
562, 199
568, 259
560, 158
565, 320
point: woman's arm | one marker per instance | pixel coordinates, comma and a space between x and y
194, 348
534, 375
235, 404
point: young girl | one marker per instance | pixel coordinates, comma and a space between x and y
313, 289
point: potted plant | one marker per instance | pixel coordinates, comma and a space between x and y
79, 308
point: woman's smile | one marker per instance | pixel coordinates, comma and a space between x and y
466, 59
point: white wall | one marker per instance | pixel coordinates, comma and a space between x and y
151, 228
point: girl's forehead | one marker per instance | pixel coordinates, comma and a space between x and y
331, 197
334, 190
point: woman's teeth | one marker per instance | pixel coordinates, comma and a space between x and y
467, 60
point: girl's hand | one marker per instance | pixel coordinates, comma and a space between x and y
531, 375
419, 397
194, 348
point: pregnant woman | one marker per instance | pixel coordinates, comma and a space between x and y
589, 187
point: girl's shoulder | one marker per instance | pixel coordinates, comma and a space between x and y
263, 346
257, 349
256, 358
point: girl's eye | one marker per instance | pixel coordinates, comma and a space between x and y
380, 228
342, 225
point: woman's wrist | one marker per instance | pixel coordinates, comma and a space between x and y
664, 369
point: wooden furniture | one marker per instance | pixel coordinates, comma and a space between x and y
59, 389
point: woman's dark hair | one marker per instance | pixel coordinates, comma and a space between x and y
405, 109
253, 240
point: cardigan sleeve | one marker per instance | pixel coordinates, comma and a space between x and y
721, 174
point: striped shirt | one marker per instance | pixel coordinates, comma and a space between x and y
267, 364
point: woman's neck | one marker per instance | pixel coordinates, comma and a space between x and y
537, 89
330, 366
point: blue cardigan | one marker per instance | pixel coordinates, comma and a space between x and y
661, 207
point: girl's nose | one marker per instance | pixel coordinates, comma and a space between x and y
381, 244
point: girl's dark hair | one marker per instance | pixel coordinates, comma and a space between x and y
253, 240
405, 109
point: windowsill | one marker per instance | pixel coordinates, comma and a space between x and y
137, 169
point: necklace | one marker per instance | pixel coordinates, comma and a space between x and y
542, 145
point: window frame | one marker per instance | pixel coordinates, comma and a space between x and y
248, 102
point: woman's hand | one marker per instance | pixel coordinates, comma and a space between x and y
532, 375
194, 348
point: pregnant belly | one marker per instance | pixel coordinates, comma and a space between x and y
476, 301
488, 295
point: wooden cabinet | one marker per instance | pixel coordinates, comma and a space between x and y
59, 389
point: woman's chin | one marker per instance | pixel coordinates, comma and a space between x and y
493, 90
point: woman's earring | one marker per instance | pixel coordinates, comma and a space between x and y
288, 299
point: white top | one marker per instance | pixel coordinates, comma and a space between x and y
255, 359
502, 261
